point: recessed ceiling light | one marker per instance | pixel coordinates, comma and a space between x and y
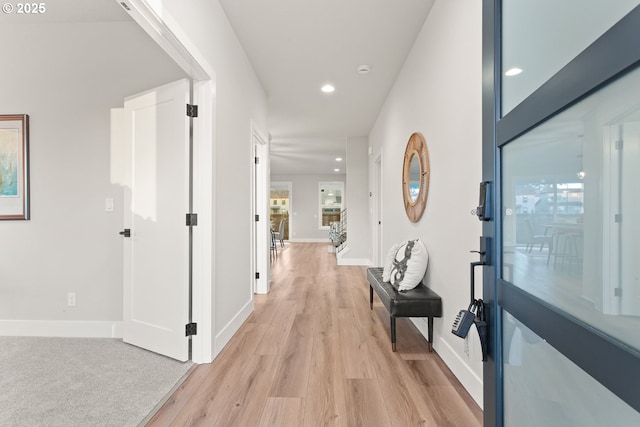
336, 170
513, 71
338, 159
328, 88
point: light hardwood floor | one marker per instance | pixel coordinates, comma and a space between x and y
314, 354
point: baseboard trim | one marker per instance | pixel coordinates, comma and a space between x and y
353, 261
223, 337
61, 328
469, 380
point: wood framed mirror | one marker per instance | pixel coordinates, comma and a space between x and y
415, 177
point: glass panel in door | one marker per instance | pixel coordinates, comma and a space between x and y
571, 211
567, 295
539, 37
544, 388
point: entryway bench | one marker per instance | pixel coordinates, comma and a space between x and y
418, 302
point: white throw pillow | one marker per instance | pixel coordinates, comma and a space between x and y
388, 262
409, 265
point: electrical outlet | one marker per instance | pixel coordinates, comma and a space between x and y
71, 299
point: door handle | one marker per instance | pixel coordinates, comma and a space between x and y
126, 232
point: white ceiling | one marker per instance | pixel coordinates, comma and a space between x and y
296, 46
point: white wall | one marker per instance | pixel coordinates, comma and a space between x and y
438, 93
357, 203
65, 247
303, 225
67, 77
240, 99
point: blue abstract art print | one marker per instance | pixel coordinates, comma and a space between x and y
14, 167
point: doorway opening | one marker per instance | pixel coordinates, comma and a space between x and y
376, 207
204, 347
280, 202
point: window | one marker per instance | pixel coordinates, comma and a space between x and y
331, 203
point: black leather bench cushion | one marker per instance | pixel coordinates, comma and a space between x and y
418, 302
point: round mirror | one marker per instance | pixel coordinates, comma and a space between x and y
415, 177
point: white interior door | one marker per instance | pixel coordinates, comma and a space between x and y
156, 255
262, 238
629, 224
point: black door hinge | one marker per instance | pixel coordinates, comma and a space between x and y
190, 329
257, 218
192, 110
257, 275
257, 160
192, 219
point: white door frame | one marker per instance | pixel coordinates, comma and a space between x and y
376, 209
612, 159
163, 30
260, 238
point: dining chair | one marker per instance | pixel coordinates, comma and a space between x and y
280, 234
274, 248
537, 239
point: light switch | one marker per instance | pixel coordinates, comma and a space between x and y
108, 204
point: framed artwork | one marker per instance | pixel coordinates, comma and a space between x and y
14, 167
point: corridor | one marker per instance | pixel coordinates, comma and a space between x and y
314, 354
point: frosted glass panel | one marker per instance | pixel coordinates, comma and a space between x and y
544, 388
542, 36
571, 211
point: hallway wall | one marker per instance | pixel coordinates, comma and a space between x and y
357, 203
438, 93
67, 77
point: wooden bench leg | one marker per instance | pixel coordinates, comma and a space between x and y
430, 333
370, 297
393, 334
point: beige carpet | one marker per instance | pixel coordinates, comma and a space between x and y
81, 382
